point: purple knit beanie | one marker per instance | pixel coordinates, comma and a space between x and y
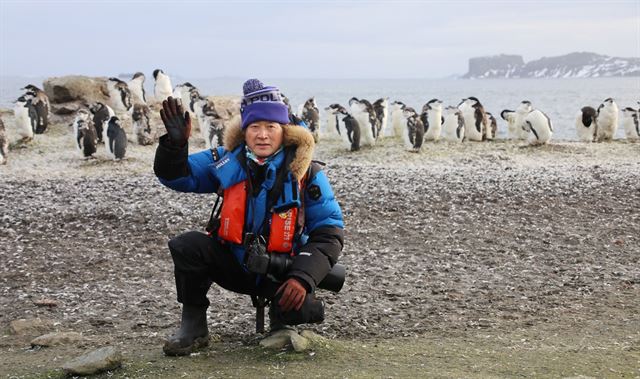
262, 103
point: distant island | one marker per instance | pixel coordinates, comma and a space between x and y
573, 65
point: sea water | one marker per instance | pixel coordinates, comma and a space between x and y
560, 99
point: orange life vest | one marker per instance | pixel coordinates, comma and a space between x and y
283, 225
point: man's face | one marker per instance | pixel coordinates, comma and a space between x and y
264, 137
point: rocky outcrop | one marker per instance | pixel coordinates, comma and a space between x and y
502, 66
72, 88
574, 65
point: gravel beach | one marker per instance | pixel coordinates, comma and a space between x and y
497, 236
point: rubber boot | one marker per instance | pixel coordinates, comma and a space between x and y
275, 324
193, 333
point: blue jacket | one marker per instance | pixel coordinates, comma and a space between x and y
322, 237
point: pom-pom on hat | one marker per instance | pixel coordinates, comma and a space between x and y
262, 103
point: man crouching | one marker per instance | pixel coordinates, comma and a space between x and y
279, 230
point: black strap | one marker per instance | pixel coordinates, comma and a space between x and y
217, 206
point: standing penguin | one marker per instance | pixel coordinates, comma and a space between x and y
539, 126
363, 111
474, 118
630, 121
184, 92
26, 117
119, 95
142, 129
413, 136
332, 123
40, 101
607, 120
310, 114
349, 129
492, 127
381, 109
162, 86
352, 131
4, 143
116, 139
136, 86
515, 120
453, 125
431, 118
586, 124
84, 133
102, 113
398, 121
212, 126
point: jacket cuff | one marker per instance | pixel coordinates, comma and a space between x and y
171, 162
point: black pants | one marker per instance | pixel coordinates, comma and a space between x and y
201, 260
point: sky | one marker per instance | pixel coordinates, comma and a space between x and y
302, 39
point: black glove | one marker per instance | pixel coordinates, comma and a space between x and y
177, 123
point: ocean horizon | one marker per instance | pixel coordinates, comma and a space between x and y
560, 99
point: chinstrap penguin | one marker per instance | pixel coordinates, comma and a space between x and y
142, 129
4, 144
40, 102
630, 122
349, 129
26, 117
431, 118
492, 127
516, 129
363, 111
102, 113
453, 126
310, 114
162, 85
332, 123
187, 93
213, 126
398, 121
607, 120
474, 118
116, 139
381, 109
539, 127
413, 136
84, 133
119, 95
136, 86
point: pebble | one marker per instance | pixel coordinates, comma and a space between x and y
100, 360
57, 338
30, 326
278, 340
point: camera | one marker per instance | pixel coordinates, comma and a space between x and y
259, 261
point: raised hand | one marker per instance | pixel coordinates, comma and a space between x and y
176, 121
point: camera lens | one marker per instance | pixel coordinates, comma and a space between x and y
279, 264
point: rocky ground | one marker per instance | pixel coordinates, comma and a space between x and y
493, 238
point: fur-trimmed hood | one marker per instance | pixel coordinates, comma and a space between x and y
294, 135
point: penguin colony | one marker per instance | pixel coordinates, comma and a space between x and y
101, 123
361, 124
468, 121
